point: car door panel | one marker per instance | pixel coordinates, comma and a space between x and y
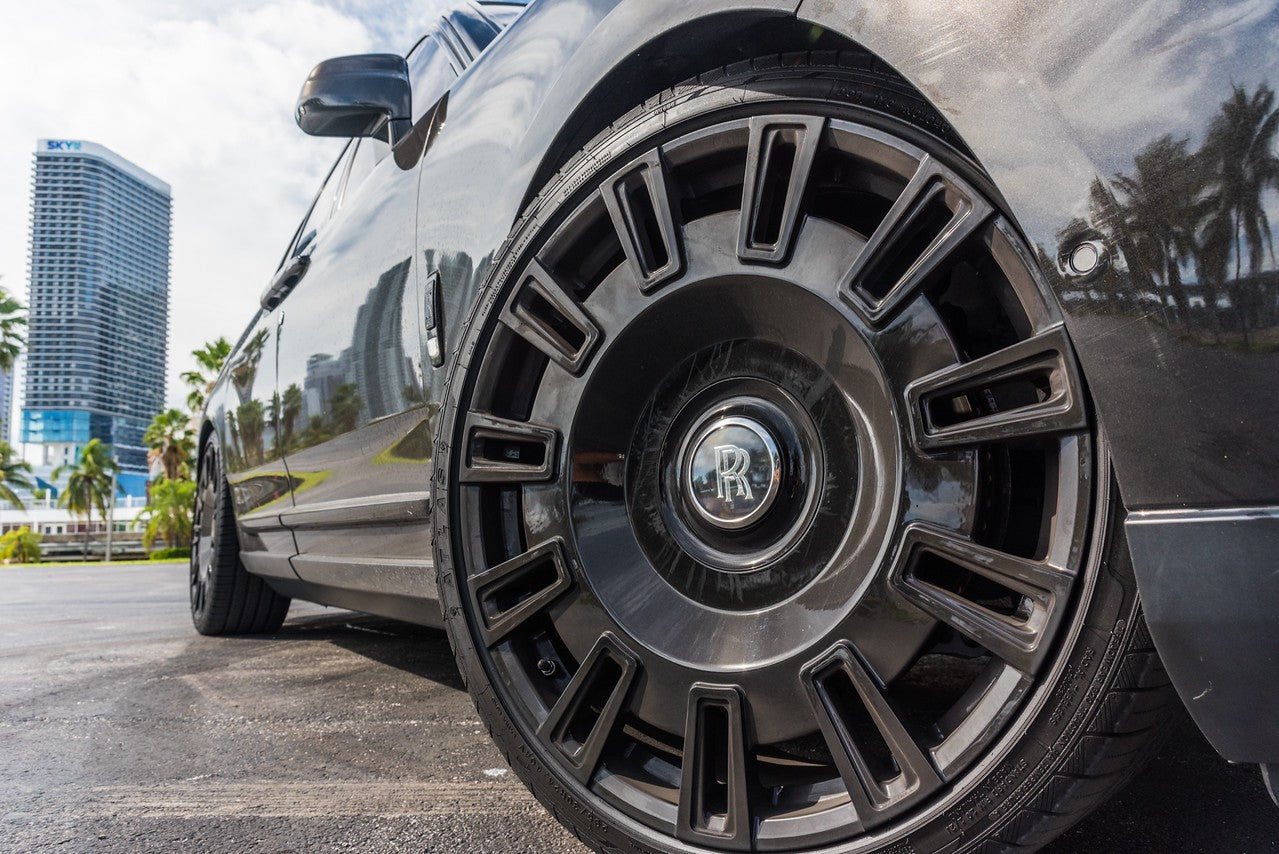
351, 381
353, 373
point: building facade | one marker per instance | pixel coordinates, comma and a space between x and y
99, 306
7, 381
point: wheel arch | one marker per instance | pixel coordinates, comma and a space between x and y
206, 430
680, 41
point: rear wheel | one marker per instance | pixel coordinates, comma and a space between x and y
225, 598
778, 518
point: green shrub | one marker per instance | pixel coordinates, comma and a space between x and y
171, 554
20, 546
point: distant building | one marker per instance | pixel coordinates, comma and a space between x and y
323, 375
99, 306
7, 380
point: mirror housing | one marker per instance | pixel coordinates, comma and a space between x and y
356, 96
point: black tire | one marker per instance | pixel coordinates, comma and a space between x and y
1088, 720
225, 598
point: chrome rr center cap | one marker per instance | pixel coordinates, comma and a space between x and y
731, 472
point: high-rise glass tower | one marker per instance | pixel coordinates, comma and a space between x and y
99, 305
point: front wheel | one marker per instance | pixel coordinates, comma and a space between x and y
225, 598
778, 518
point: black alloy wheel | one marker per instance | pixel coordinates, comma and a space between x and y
204, 523
778, 510
225, 598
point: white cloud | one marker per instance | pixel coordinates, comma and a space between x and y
200, 94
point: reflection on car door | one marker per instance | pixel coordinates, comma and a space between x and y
352, 395
247, 408
252, 453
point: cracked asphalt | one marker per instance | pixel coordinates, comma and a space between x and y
122, 730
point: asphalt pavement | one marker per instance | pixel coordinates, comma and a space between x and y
123, 730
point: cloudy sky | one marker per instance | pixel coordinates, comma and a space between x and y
200, 93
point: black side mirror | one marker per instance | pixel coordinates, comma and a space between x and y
365, 95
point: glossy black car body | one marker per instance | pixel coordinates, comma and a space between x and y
328, 409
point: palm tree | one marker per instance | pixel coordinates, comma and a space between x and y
209, 360
345, 405
273, 418
245, 370
1162, 210
172, 442
1212, 258
314, 433
232, 450
89, 484
168, 513
13, 319
20, 546
1239, 151
251, 420
290, 412
13, 472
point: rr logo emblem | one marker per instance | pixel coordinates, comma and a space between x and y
731, 463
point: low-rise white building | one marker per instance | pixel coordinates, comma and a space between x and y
44, 516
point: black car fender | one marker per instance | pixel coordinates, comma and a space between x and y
1053, 103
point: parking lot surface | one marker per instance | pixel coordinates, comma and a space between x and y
123, 730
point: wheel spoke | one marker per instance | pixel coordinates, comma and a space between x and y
714, 803
934, 568
880, 762
543, 313
505, 451
933, 212
778, 161
201, 561
507, 595
638, 202
203, 517
1032, 388
586, 713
